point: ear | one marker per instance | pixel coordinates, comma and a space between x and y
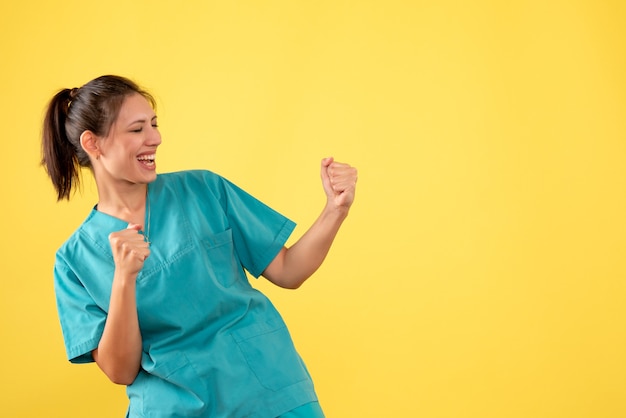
89, 142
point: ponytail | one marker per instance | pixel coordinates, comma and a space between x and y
58, 153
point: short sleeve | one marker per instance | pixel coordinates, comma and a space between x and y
82, 321
259, 232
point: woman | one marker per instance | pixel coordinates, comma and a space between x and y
152, 285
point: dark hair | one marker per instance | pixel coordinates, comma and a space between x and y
93, 107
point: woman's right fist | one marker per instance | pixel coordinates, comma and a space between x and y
129, 249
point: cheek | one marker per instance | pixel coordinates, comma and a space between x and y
120, 158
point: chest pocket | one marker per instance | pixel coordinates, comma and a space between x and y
221, 260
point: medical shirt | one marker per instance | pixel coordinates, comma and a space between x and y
213, 346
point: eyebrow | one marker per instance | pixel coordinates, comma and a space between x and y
142, 120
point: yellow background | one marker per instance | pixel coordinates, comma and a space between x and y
481, 272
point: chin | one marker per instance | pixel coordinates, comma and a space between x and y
146, 178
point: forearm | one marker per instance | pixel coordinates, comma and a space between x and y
294, 265
291, 267
119, 351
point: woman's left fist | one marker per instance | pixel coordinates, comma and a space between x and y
339, 181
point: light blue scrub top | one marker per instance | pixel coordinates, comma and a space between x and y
212, 345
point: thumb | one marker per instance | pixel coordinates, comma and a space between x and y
326, 162
136, 227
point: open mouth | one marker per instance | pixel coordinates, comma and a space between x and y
147, 160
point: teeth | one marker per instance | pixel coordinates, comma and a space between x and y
146, 157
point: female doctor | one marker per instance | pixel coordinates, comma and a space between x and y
152, 285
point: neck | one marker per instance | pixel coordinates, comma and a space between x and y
127, 203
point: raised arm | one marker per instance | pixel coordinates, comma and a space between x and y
293, 265
119, 351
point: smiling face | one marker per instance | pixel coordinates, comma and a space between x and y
127, 154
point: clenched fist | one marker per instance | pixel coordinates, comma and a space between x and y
339, 181
130, 250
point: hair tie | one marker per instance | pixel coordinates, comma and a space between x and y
73, 94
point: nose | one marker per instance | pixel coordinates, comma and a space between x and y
154, 137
